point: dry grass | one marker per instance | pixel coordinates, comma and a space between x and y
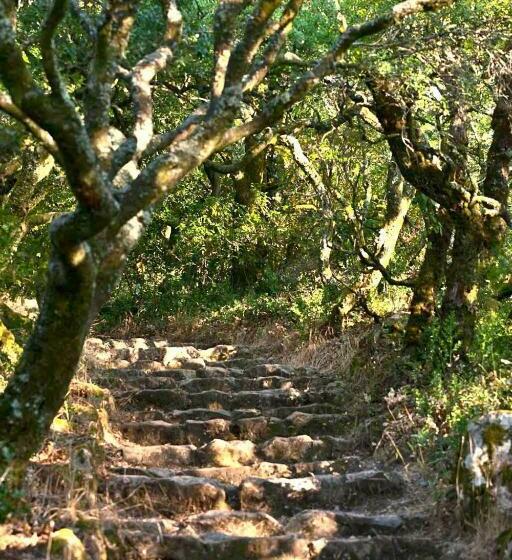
334, 355
481, 542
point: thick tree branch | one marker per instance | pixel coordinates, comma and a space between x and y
200, 138
234, 167
223, 31
256, 30
111, 43
499, 157
141, 76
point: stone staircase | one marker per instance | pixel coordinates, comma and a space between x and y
220, 455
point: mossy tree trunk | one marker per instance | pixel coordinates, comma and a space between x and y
481, 218
429, 281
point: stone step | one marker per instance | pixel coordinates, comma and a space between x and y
239, 453
317, 524
291, 547
170, 399
178, 374
241, 363
236, 475
231, 523
284, 495
236, 414
181, 494
160, 456
168, 496
309, 524
256, 429
197, 384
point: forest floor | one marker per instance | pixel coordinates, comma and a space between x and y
167, 451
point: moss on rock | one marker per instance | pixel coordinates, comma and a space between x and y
66, 545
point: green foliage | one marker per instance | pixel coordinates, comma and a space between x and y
449, 390
12, 502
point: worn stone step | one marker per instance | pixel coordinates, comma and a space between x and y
160, 456
195, 432
236, 414
291, 547
256, 429
283, 496
168, 399
169, 496
236, 523
239, 384
238, 453
309, 524
113, 377
301, 448
241, 363
193, 383
166, 353
317, 524
229, 523
236, 475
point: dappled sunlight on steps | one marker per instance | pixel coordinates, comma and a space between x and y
219, 454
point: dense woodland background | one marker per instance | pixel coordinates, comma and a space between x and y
368, 219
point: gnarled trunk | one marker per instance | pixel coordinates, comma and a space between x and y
39, 386
429, 282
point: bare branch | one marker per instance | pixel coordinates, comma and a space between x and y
111, 43
223, 30
46, 140
370, 260
275, 44
304, 163
49, 57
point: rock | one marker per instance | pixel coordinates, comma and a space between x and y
293, 449
140, 343
192, 363
222, 453
218, 353
269, 370
67, 546
316, 524
160, 455
485, 476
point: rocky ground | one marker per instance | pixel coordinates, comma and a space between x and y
181, 453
